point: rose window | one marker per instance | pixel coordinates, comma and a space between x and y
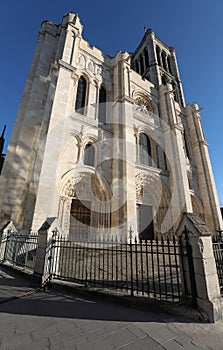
142, 106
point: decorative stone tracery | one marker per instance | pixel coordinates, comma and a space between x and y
94, 67
148, 188
144, 106
81, 61
86, 187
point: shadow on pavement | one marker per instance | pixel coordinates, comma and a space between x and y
15, 278
18, 295
52, 304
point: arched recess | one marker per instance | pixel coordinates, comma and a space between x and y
164, 62
89, 150
81, 96
161, 157
158, 53
89, 154
146, 55
153, 200
144, 149
85, 207
169, 64
198, 208
141, 64
149, 132
102, 105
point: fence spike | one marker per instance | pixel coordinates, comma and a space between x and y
130, 234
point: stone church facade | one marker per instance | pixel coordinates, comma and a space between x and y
105, 144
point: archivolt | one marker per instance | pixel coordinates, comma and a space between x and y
84, 185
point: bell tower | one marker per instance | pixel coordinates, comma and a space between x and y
156, 62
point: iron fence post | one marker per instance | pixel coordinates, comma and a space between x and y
131, 260
26, 258
15, 253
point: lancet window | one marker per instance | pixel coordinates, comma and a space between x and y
81, 95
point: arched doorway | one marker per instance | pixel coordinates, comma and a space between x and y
85, 212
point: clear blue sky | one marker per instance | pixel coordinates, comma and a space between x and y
193, 27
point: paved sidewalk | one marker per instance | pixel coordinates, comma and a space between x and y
56, 321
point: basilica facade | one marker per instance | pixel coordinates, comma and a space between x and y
105, 145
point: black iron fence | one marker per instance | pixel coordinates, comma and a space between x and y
160, 269
153, 268
19, 250
218, 254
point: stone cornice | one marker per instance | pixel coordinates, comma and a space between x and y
122, 99
66, 65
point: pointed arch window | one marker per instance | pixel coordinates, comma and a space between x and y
146, 55
102, 105
89, 154
186, 145
141, 64
164, 62
158, 55
81, 95
161, 157
175, 93
144, 150
169, 65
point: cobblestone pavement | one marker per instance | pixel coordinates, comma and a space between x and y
56, 321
